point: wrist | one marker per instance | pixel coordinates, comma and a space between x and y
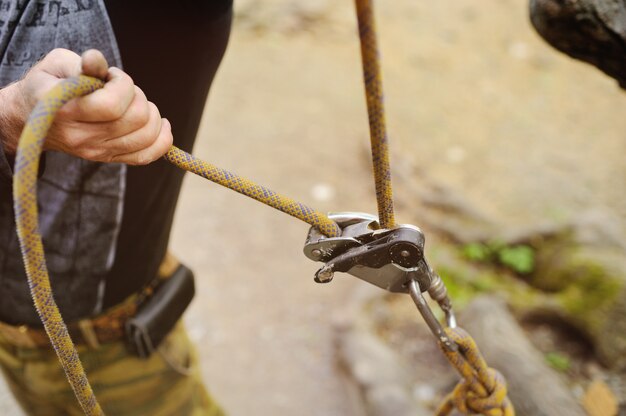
13, 114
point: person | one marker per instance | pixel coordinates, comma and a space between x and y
107, 200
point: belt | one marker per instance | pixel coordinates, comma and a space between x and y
106, 327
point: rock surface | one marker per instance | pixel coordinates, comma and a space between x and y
534, 388
588, 290
591, 30
375, 367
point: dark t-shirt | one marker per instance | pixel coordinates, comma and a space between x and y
106, 226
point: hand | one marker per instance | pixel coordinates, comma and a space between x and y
113, 124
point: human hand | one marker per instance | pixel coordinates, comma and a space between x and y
113, 124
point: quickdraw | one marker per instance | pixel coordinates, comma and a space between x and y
371, 248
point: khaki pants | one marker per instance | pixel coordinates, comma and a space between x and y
168, 383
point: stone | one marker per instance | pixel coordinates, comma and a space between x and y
382, 381
534, 388
588, 291
599, 400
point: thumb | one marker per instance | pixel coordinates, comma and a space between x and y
94, 64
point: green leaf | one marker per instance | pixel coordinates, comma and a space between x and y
520, 259
558, 361
476, 252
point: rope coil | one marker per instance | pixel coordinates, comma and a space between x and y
482, 389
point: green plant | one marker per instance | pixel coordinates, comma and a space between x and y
520, 259
558, 361
476, 252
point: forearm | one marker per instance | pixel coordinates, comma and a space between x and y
12, 117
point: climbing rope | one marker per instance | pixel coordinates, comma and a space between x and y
248, 188
372, 78
482, 389
27, 223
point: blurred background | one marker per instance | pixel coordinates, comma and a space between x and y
508, 154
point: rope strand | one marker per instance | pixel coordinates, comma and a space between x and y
248, 188
27, 224
372, 78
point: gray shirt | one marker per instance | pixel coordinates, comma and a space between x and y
80, 201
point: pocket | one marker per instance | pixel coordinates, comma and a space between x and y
7, 358
176, 351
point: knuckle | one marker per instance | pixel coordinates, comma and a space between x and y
169, 141
58, 54
141, 142
74, 141
124, 145
107, 157
111, 107
143, 158
139, 114
136, 115
154, 110
123, 76
91, 154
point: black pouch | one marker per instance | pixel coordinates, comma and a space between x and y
159, 313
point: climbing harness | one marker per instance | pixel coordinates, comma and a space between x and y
371, 248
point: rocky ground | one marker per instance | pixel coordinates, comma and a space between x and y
493, 134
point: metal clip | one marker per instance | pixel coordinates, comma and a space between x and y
389, 259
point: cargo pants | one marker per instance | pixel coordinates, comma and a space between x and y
166, 384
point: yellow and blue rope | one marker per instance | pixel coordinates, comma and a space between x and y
482, 389
248, 188
27, 223
372, 77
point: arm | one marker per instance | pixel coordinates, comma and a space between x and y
114, 124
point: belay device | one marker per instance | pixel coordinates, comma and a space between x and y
370, 248
390, 259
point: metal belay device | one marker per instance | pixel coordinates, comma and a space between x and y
392, 259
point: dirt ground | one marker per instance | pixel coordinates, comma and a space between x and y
477, 104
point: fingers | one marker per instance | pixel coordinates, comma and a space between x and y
137, 115
140, 147
106, 104
63, 63
138, 139
157, 149
60, 63
56, 65
94, 64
